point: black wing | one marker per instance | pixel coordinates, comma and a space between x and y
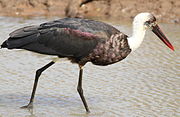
68, 42
68, 37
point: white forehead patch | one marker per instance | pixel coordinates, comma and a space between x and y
143, 17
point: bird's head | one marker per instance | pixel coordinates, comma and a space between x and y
148, 21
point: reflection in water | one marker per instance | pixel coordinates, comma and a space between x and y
144, 84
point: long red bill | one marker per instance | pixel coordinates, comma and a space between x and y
163, 38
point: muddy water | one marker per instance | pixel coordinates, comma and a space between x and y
145, 84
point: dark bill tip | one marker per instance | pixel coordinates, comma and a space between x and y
163, 38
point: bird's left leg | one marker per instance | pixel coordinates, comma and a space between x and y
80, 90
38, 73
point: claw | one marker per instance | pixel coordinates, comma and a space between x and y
29, 106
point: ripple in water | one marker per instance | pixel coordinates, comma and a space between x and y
144, 84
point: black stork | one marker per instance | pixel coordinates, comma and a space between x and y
82, 41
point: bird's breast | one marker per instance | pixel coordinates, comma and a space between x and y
111, 51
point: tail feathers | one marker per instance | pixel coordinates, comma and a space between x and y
23, 32
18, 43
21, 37
4, 45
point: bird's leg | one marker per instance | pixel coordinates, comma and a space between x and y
38, 73
80, 90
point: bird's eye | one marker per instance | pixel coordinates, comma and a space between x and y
147, 23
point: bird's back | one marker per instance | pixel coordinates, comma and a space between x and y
84, 25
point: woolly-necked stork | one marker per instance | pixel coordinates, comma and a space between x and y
82, 41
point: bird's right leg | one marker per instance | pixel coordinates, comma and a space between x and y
38, 73
80, 90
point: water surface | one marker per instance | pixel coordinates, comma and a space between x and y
145, 84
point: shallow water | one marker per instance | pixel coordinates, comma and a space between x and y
145, 84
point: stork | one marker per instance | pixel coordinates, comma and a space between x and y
81, 41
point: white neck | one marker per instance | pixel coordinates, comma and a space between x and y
138, 35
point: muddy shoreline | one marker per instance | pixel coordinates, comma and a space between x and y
117, 10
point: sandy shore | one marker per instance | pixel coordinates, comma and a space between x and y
167, 11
